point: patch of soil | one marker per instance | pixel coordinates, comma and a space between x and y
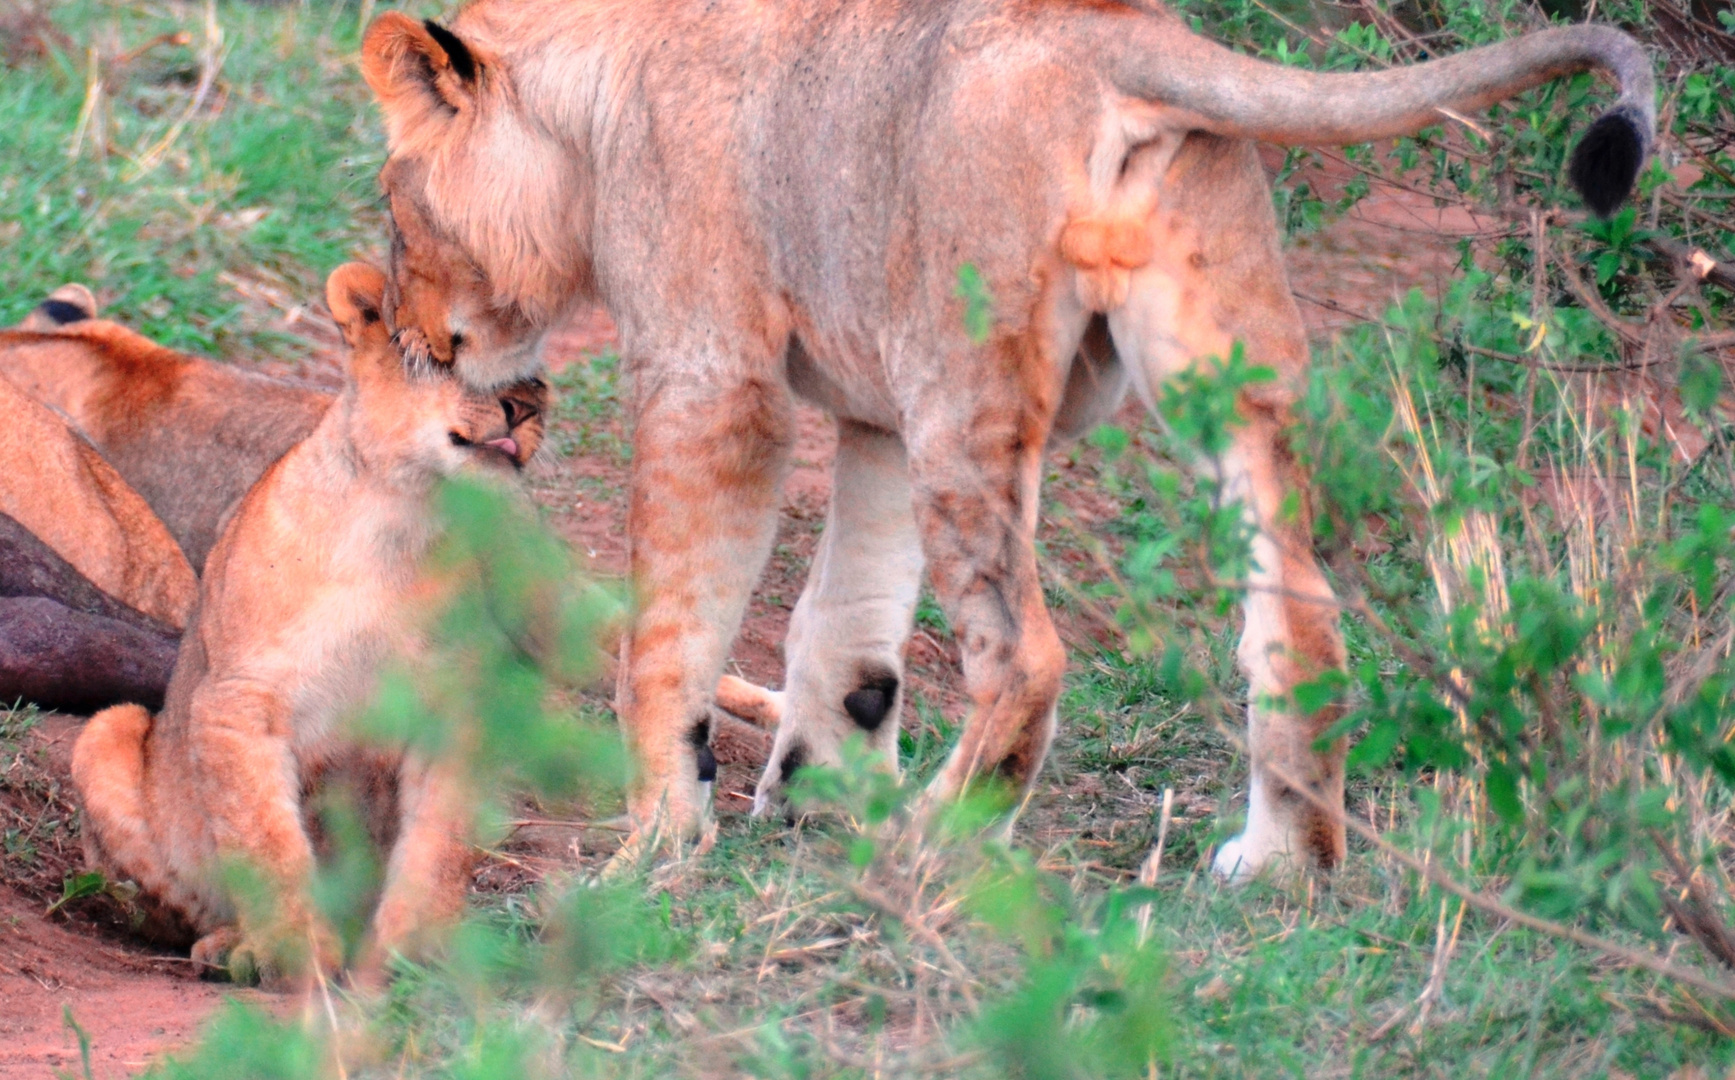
135, 1004
1395, 239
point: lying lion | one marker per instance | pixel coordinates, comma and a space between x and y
189, 435
314, 581
777, 199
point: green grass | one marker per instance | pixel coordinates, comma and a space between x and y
165, 207
587, 406
765, 957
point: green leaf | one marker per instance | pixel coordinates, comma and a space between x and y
1111, 440
1701, 382
1502, 785
78, 887
1375, 748
978, 303
861, 852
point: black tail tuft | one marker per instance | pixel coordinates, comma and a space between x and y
1606, 161
62, 312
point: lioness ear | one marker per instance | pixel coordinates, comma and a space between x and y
354, 292
66, 305
414, 67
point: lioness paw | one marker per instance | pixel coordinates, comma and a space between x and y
1245, 857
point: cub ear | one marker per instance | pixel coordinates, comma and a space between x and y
418, 70
354, 292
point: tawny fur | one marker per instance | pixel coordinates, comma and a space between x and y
58, 487
316, 579
189, 435
775, 197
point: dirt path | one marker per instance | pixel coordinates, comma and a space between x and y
135, 1005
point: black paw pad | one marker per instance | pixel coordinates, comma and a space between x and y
707, 765
794, 759
870, 703
700, 736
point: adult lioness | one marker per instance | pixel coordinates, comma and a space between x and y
316, 578
189, 435
56, 485
775, 197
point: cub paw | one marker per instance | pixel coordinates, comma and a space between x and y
265, 960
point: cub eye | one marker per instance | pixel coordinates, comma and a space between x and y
457, 343
459, 440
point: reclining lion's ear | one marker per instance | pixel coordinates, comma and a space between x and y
71, 303
354, 292
418, 70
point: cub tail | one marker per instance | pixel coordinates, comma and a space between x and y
108, 769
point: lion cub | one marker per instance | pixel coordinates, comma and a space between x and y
315, 581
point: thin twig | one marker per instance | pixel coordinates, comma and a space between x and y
1153, 864
1698, 920
330, 1010
884, 905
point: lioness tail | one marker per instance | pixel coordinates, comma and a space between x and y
1221, 91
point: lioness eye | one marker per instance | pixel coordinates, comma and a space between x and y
457, 343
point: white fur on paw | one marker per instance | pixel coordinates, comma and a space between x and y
1231, 863
1245, 857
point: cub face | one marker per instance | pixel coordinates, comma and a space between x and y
414, 412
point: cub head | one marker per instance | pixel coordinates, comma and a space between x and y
487, 251
409, 414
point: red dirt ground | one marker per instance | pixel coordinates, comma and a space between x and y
136, 1004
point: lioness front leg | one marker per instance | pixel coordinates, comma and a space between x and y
845, 649
707, 461
1216, 279
249, 787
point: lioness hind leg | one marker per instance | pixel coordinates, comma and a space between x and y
1291, 636
975, 469
845, 648
707, 461
1216, 279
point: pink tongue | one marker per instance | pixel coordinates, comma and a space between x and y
505, 446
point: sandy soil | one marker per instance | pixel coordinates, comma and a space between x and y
135, 1004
